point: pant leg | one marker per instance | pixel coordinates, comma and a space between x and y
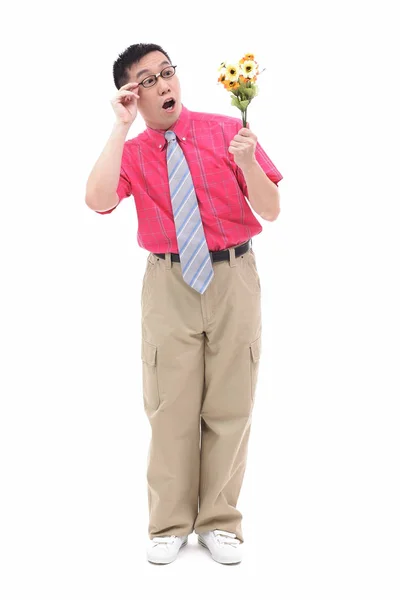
232, 352
173, 382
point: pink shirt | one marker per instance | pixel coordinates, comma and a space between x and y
219, 183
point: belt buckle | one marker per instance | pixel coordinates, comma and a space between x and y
211, 256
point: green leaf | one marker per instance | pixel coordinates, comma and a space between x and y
244, 104
249, 92
236, 102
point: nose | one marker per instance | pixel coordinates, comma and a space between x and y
163, 84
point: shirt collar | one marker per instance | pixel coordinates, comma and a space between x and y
180, 128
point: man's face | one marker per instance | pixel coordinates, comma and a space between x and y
150, 103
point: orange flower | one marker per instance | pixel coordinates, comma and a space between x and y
231, 85
246, 57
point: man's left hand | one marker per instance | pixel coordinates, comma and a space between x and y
243, 147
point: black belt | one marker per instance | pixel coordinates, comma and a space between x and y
217, 255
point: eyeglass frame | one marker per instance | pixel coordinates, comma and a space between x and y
158, 75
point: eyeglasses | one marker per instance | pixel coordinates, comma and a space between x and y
165, 74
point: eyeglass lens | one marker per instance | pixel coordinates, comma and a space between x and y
165, 74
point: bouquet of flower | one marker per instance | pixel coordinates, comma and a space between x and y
239, 78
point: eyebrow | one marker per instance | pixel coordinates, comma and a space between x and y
143, 71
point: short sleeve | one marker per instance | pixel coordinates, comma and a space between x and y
124, 189
124, 185
267, 165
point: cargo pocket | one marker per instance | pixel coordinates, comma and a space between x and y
255, 353
151, 395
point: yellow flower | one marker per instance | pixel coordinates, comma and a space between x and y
249, 69
232, 72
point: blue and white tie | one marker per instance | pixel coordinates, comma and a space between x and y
194, 254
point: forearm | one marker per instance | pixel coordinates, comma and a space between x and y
103, 180
263, 193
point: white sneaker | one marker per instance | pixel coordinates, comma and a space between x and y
164, 550
224, 546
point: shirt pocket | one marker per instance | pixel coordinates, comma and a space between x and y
217, 186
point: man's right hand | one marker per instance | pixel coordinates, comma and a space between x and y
125, 103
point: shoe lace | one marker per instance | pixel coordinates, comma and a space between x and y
163, 540
226, 537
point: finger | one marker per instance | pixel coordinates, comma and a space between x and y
130, 84
244, 133
128, 94
243, 142
239, 138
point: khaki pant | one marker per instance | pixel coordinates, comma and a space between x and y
200, 360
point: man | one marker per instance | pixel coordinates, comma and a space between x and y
190, 174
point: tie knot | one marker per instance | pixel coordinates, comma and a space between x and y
170, 136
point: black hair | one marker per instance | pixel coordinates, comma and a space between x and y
133, 54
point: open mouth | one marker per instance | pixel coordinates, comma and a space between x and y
169, 105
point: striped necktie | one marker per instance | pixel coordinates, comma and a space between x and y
194, 254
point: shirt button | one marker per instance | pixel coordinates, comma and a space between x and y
160, 146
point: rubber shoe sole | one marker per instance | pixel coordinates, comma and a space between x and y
167, 562
228, 562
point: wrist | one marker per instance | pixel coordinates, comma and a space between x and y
250, 166
122, 125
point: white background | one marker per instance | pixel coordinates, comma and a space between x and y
321, 492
